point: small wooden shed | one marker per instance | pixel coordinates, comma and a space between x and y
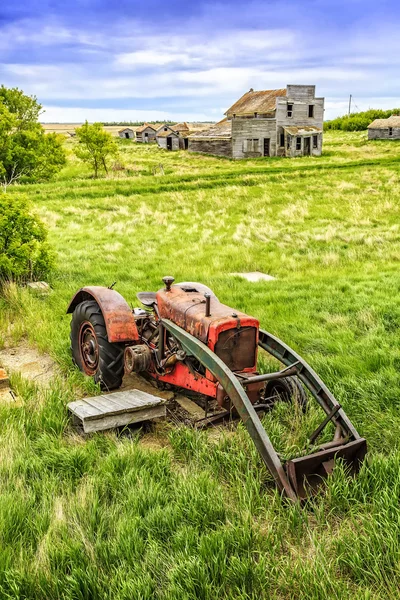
146, 133
173, 137
385, 129
168, 139
126, 133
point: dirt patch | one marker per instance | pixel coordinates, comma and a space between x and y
137, 382
30, 363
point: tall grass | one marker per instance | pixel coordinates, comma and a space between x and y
197, 515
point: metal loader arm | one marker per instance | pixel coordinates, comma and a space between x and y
309, 377
240, 400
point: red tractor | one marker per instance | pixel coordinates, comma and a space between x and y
185, 338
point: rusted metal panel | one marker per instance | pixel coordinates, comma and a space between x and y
118, 316
305, 473
185, 305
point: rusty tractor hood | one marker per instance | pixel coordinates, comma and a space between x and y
185, 305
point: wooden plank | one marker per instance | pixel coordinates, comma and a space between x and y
113, 404
105, 404
123, 419
80, 407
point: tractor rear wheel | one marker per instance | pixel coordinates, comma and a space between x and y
287, 389
91, 351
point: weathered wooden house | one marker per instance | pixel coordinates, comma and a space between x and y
173, 137
146, 133
215, 140
283, 122
385, 129
126, 133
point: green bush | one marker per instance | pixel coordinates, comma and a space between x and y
24, 252
359, 121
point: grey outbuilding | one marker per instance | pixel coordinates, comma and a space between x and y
385, 129
146, 133
127, 133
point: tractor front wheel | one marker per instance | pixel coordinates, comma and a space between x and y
91, 351
287, 389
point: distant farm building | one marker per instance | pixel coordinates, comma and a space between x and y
146, 133
283, 122
385, 129
215, 140
173, 137
127, 133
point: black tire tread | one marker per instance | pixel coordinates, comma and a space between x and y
110, 370
294, 390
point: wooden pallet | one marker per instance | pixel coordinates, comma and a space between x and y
116, 410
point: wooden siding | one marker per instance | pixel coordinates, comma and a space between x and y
290, 145
244, 129
162, 142
151, 137
222, 147
383, 134
127, 133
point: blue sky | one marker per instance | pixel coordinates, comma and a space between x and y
153, 59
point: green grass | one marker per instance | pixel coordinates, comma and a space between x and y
175, 514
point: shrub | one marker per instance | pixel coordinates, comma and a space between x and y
359, 121
26, 151
24, 252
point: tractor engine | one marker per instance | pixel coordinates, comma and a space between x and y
230, 334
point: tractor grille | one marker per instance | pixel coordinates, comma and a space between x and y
237, 348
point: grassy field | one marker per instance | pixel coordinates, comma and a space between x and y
174, 514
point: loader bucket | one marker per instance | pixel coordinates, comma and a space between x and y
306, 473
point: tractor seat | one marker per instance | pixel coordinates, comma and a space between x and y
147, 298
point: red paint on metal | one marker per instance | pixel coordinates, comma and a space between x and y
118, 317
182, 377
187, 309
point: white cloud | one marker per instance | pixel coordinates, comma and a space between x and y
124, 64
57, 114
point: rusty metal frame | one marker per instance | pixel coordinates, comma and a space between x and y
291, 479
240, 400
309, 377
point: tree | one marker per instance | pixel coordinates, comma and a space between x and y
25, 149
24, 252
95, 146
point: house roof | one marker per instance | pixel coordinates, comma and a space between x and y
143, 127
179, 127
125, 129
256, 102
302, 130
393, 121
221, 130
163, 134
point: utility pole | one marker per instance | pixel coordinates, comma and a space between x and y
350, 104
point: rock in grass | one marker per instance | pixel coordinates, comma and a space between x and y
39, 286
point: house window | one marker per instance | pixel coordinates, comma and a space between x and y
282, 140
311, 111
390, 130
289, 110
298, 143
146, 135
315, 141
234, 115
165, 128
251, 145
